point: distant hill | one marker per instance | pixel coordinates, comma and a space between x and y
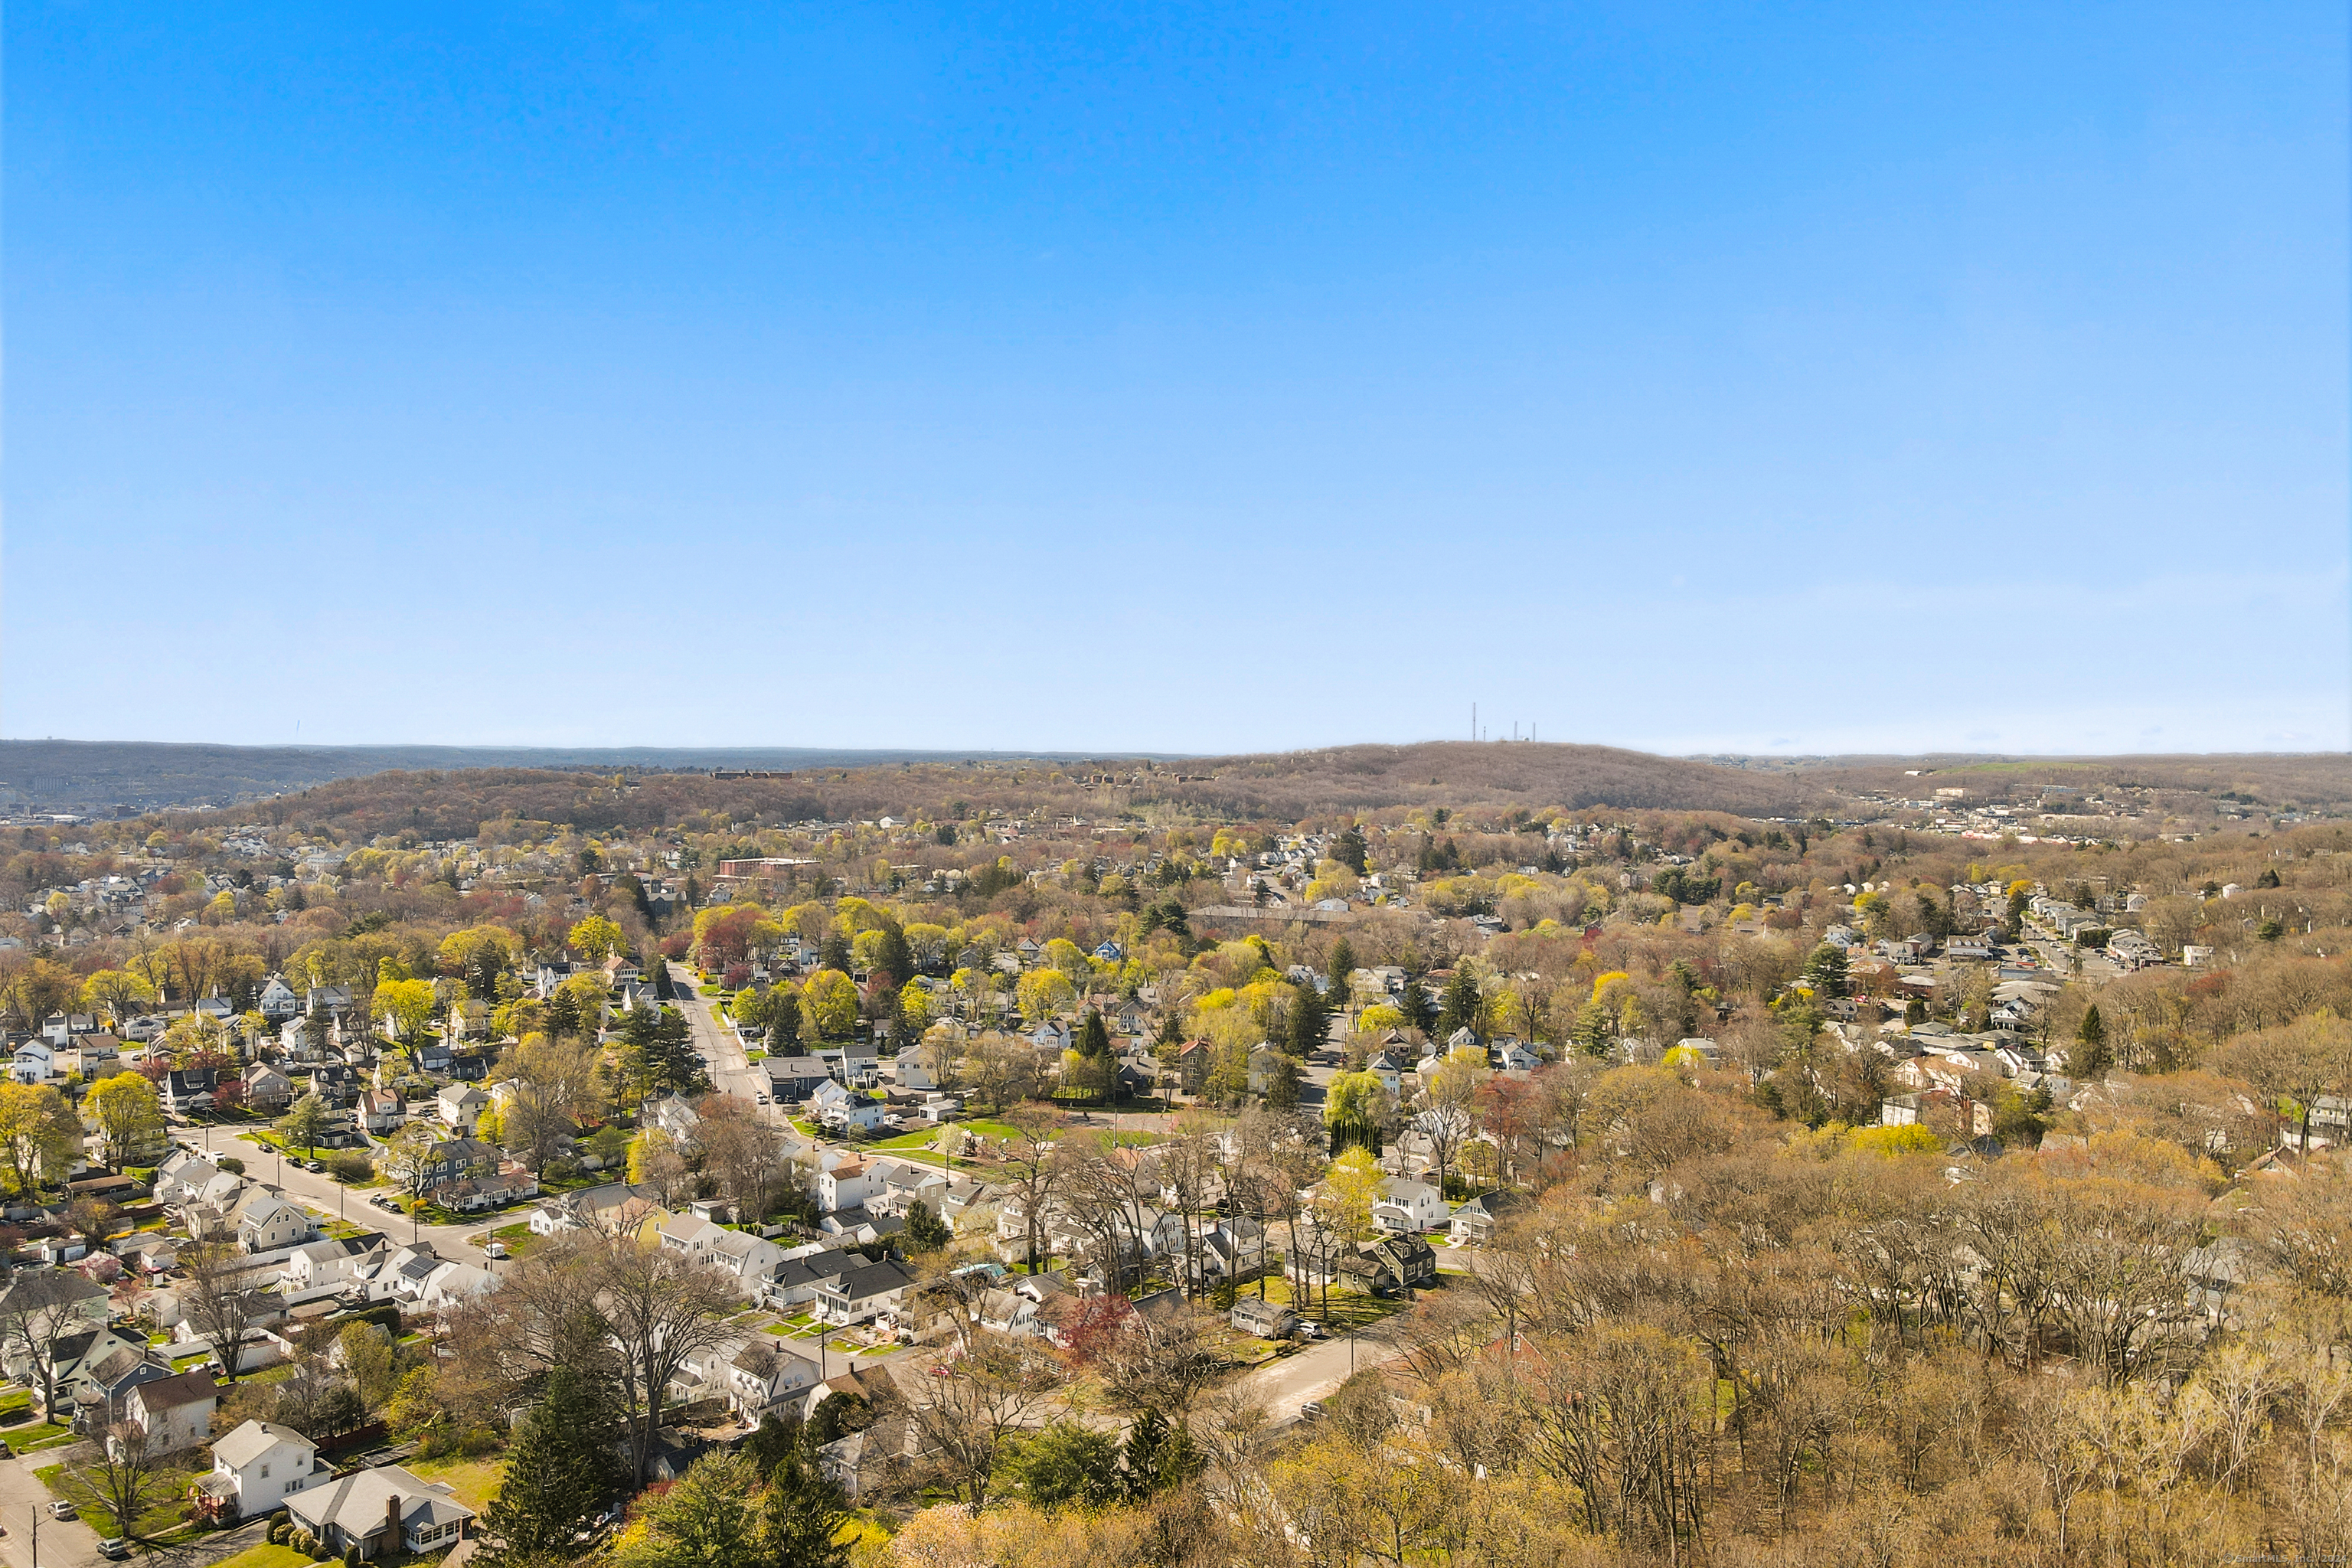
462, 784
94, 776
1460, 773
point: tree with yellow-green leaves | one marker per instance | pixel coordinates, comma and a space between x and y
1041, 992
596, 939
118, 994
39, 1136
129, 1116
409, 1003
829, 1005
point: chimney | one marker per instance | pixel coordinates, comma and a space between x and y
392, 1524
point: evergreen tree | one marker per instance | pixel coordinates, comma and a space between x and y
1282, 1085
662, 991
801, 1515
1309, 1024
1414, 1004
1156, 1455
1349, 850
1462, 1003
784, 1023
833, 953
1825, 971
562, 1469
1094, 1036
926, 1232
1343, 964
2090, 1058
895, 957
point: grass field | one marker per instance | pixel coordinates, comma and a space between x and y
265, 1557
474, 1479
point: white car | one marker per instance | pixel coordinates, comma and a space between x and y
497, 1249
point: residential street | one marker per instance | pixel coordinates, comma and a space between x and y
1313, 1373
22, 1498
731, 1071
328, 1196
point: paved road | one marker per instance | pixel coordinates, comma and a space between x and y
328, 1196
721, 1051
1288, 1384
71, 1544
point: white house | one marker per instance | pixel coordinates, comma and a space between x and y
751, 1259
278, 1002
461, 1106
265, 1222
1407, 1207
863, 1294
34, 1061
845, 1185
256, 1466
173, 1413
764, 1376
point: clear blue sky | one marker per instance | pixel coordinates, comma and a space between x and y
1762, 378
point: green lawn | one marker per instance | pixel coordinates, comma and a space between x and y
266, 1556
474, 1479
33, 1437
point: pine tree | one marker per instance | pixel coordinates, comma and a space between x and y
784, 1023
926, 1232
803, 1513
1414, 1004
1343, 964
896, 958
1094, 1035
1310, 1026
2091, 1058
1461, 1010
560, 1471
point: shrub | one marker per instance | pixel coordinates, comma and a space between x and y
386, 1314
351, 1168
231, 1164
303, 1542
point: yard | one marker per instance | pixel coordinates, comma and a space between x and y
1349, 1309
28, 1436
473, 1479
265, 1557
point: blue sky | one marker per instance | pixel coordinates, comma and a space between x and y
1801, 378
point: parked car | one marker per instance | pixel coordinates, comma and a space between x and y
1311, 1411
497, 1249
114, 1549
61, 1508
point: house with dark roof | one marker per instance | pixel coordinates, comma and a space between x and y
171, 1412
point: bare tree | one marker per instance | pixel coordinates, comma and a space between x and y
555, 1084
40, 1309
975, 1401
1034, 1169
661, 1307
122, 1483
745, 1153
223, 1298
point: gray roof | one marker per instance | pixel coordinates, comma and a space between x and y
253, 1439
357, 1503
